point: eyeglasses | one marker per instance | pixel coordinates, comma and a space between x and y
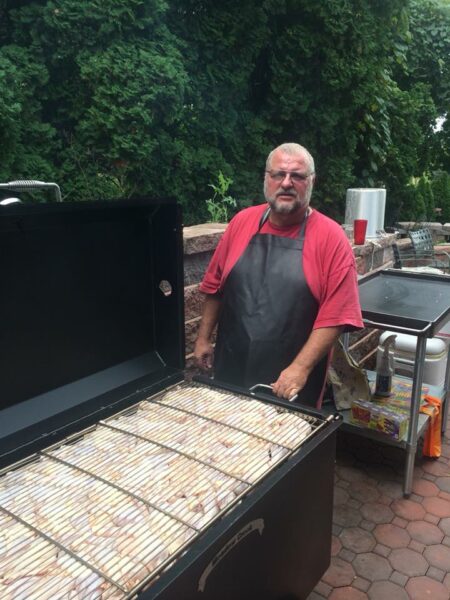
294, 176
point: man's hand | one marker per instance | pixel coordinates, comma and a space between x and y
293, 379
203, 350
290, 381
203, 354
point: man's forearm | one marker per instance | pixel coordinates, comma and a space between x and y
294, 377
210, 316
203, 350
317, 346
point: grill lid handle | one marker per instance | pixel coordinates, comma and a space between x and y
268, 387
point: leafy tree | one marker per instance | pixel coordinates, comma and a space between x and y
441, 191
154, 97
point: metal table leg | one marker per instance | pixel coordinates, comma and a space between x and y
411, 444
446, 396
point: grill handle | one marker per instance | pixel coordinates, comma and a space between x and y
268, 387
27, 185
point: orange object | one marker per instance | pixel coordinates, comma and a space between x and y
432, 440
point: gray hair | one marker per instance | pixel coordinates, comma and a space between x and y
293, 150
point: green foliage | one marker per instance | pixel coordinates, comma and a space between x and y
155, 97
441, 191
219, 205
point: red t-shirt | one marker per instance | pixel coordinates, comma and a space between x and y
328, 263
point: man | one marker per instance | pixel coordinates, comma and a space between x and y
282, 287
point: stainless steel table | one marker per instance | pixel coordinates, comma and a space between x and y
416, 304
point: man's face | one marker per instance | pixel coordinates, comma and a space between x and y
286, 194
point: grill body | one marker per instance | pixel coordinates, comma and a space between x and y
92, 300
287, 559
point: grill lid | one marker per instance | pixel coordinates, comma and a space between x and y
91, 298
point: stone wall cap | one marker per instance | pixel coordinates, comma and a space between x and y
203, 237
420, 224
374, 244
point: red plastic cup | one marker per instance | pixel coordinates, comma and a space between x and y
359, 231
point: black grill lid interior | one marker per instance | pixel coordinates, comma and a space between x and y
91, 301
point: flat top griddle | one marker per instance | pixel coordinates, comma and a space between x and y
405, 301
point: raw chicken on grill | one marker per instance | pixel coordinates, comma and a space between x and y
94, 518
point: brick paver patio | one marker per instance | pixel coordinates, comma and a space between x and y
385, 546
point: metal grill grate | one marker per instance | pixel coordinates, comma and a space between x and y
104, 512
272, 423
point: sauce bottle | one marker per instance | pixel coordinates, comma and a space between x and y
385, 368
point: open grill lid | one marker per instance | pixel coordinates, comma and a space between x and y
91, 304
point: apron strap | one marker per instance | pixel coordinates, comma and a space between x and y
264, 218
301, 233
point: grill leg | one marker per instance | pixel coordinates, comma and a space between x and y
446, 396
411, 444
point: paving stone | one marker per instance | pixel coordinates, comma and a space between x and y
347, 555
314, 596
345, 516
446, 582
408, 562
422, 487
382, 550
416, 497
444, 525
357, 540
377, 512
446, 541
347, 593
384, 499
418, 472
435, 573
363, 491
416, 546
372, 567
425, 533
391, 535
339, 573
407, 509
436, 468
431, 519
421, 588
443, 483
381, 590
444, 495
393, 489
399, 578
340, 496
367, 525
399, 522
323, 589
437, 506
438, 556
354, 503
335, 545
343, 484
351, 474
336, 529
429, 477
361, 584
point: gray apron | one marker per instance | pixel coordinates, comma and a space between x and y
267, 315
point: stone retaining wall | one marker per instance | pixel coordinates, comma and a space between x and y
199, 244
